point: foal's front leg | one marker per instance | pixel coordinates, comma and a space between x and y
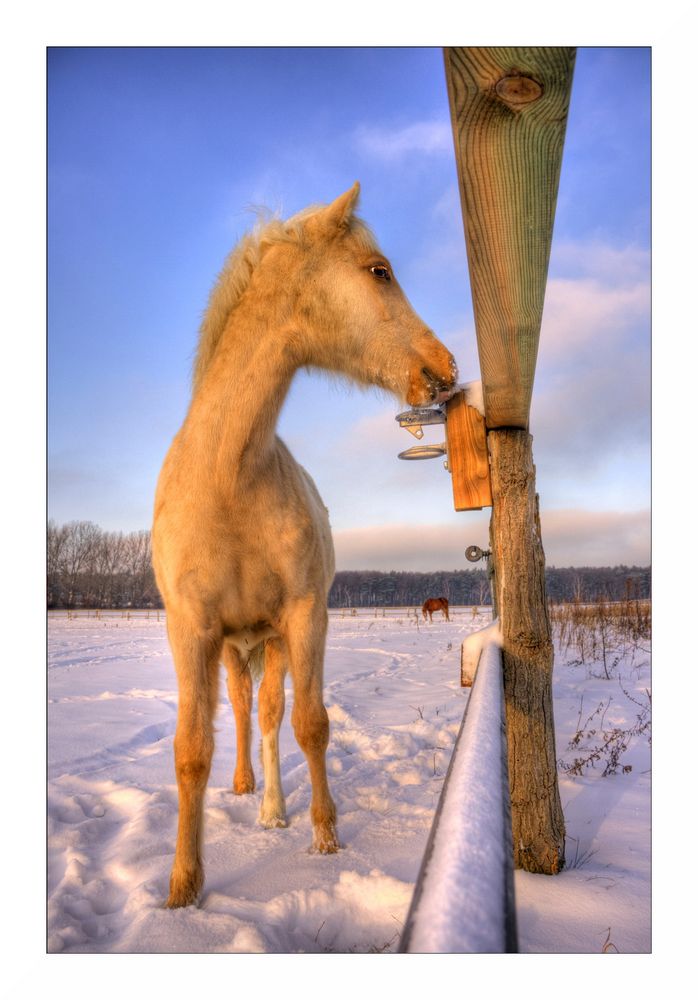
196, 661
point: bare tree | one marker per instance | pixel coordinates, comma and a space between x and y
138, 562
79, 549
110, 568
56, 540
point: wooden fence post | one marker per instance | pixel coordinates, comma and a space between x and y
527, 654
509, 112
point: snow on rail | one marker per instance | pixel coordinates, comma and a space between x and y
464, 897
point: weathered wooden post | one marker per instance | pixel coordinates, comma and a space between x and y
509, 112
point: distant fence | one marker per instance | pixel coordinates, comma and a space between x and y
158, 614
463, 900
411, 611
468, 611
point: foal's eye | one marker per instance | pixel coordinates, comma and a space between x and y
381, 271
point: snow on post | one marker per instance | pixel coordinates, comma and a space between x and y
471, 649
464, 896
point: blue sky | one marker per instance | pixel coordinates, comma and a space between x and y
155, 157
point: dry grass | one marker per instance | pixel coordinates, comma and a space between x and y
603, 633
602, 636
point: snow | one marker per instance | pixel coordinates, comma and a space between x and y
395, 704
472, 647
474, 395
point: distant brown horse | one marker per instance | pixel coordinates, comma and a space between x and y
435, 604
241, 539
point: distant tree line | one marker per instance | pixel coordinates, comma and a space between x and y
369, 588
91, 568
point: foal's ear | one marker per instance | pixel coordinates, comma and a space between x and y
339, 213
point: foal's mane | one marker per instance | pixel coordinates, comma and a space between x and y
237, 271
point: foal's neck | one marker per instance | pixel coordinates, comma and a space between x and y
233, 414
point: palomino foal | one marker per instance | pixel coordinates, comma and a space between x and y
241, 539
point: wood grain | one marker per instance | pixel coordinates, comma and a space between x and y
468, 459
509, 112
527, 654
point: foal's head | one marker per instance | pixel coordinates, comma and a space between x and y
351, 314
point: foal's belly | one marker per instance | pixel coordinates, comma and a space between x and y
245, 639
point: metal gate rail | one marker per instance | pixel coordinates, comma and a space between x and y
464, 895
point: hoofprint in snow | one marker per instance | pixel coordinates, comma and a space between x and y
392, 688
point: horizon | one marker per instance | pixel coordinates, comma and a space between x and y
471, 567
148, 187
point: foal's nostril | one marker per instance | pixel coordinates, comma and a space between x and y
436, 382
439, 387
431, 380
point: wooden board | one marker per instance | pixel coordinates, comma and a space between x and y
468, 460
509, 113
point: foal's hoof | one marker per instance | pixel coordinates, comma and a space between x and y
325, 839
244, 784
184, 891
273, 822
272, 817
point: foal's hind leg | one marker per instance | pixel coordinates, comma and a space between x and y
240, 693
271, 711
307, 626
196, 661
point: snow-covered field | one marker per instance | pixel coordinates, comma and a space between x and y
395, 704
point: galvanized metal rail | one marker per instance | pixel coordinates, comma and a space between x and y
463, 900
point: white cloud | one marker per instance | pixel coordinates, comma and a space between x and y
587, 313
614, 265
580, 421
430, 137
591, 399
570, 538
596, 538
409, 546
